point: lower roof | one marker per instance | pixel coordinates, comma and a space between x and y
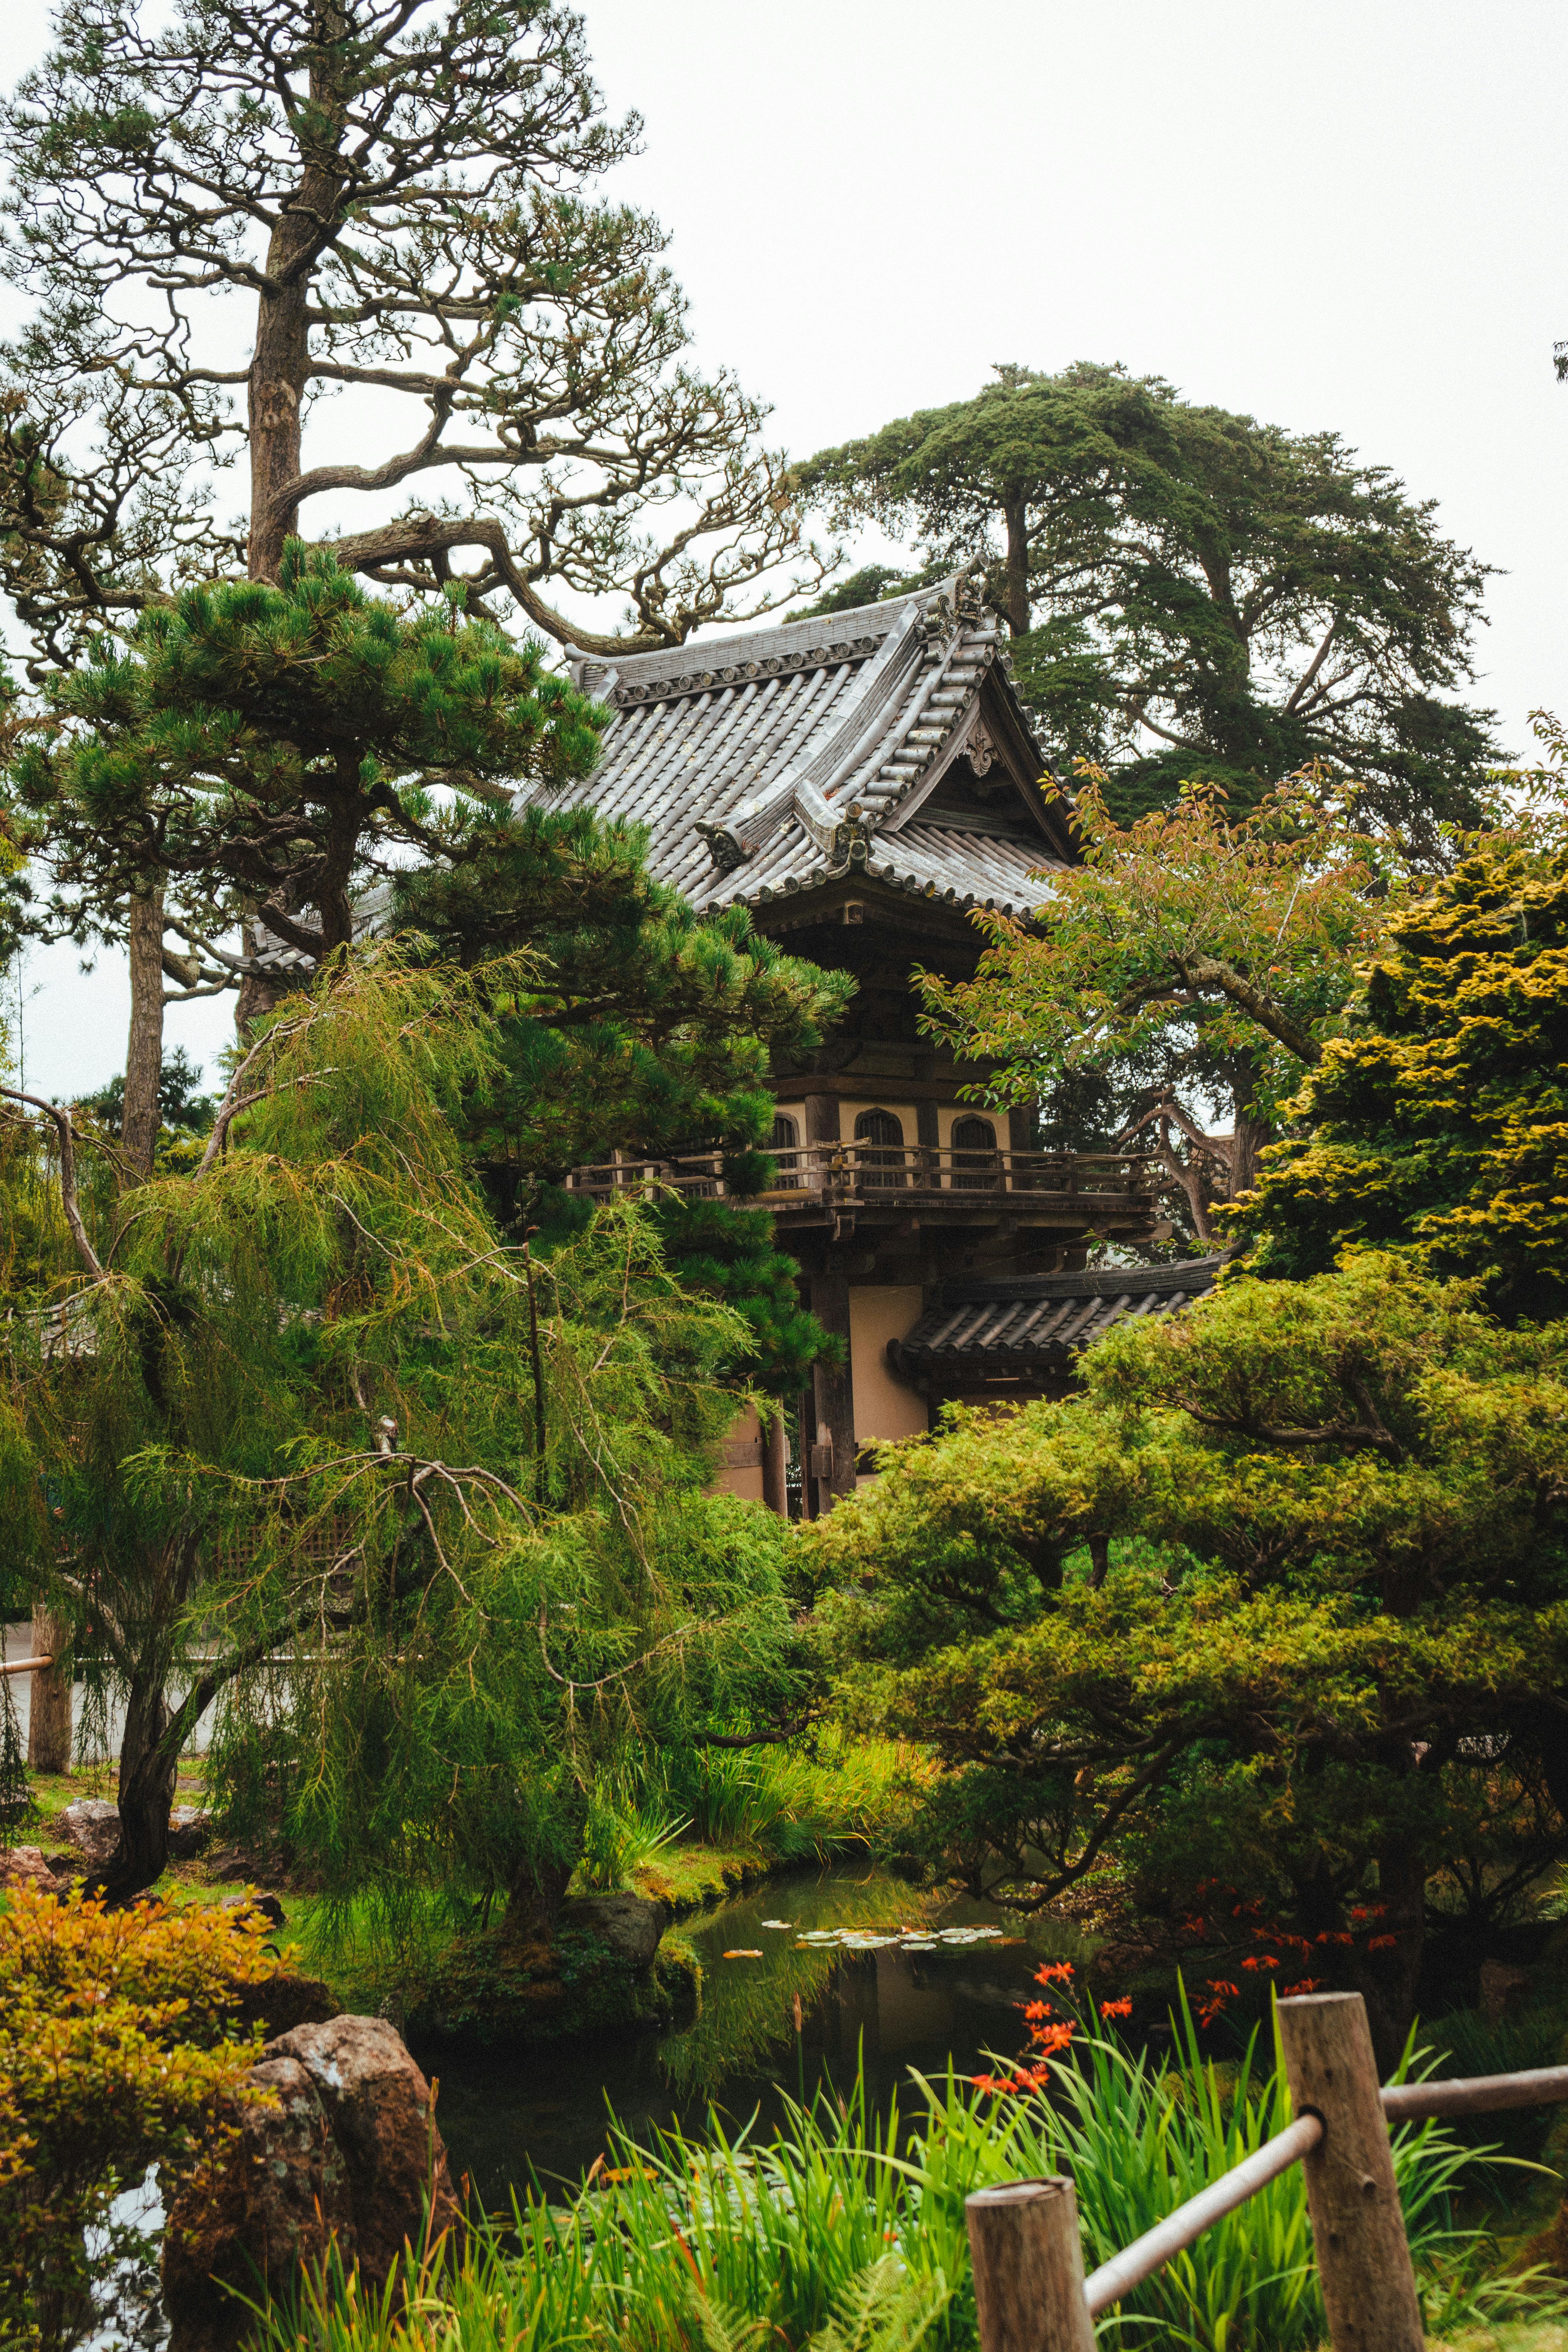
1010, 1327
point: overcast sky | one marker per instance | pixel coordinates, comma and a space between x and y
1326, 214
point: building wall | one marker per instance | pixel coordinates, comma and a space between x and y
884, 1406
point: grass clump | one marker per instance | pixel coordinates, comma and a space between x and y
794, 1803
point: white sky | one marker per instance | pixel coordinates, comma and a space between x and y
1328, 215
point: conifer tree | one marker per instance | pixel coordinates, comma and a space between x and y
228, 215
1437, 1122
1193, 594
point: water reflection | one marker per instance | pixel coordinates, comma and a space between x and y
506, 2113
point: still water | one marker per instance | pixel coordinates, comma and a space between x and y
510, 2114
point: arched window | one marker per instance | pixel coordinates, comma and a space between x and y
880, 1136
784, 1141
975, 1163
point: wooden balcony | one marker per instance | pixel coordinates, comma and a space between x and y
826, 1183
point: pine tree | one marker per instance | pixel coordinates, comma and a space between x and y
1193, 594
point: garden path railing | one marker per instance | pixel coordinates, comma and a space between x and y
1029, 2283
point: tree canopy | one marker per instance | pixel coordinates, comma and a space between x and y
1192, 959
1438, 1122
388, 202
1192, 592
270, 1438
1338, 1561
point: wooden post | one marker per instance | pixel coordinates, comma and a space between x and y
834, 1388
1028, 2267
49, 1703
1358, 2230
775, 1493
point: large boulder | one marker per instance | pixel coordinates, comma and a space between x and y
92, 1825
347, 2149
24, 1865
190, 1830
631, 1925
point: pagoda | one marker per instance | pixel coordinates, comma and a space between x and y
863, 783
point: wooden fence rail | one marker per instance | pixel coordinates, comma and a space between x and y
1030, 2292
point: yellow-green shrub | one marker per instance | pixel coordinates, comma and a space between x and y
116, 2052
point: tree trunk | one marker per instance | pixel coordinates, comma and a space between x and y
49, 1709
144, 1047
534, 1903
1250, 1135
149, 1771
1015, 514
258, 997
1387, 1981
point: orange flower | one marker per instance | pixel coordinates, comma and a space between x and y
1381, 1943
1308, 1984
1036, 2010
1051, 2037
1116, 2008
1218, 1984
1054, 1973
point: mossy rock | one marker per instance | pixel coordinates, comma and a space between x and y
486, 1991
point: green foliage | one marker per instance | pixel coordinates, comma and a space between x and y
1338, 1536
116, 2052
1439, 1121
797, 1801
723, 1250
297, 1472
284, 743
642, 1024
1253, 599
1190, 957
180, 1107
846, 2230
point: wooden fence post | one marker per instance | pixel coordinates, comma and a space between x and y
1358, 2230
1028, 2267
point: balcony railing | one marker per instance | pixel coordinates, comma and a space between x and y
840, 1175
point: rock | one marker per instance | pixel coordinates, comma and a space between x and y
236, 1865
281, 2196
64, 1866
281, 2002
189, 1832
92, 1825
265, 1906
1502, 1987
351, 2151
631, 1925
24, 1865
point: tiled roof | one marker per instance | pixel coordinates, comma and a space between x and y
1023, 1324
767, 760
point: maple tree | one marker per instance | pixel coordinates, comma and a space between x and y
1193, 958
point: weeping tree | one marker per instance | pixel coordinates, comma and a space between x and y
296, 1434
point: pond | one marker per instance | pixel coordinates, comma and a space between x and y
908, 2002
